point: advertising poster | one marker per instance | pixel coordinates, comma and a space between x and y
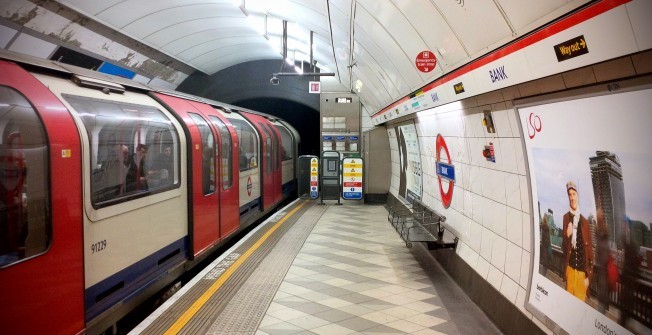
590, 166
409, 161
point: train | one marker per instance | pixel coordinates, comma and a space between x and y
111, 190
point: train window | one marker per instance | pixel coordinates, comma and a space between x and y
208, 148
25, 224
269, 148
134, 149
248, 150
286, 142
227, 167
275, 147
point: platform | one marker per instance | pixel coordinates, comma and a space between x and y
320, 269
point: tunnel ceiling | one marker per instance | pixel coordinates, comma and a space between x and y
370, 45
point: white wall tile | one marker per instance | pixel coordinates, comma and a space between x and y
486, 248
33, 46
527, 233
468, 204
474, 183
514, 231
507, 154
512, 191
483, 267
513, 255
509, 289
494, 217
475, 236
525, 194
498, 250
468, 254
520, 158
6, 34
495, 277
525, 269
493, 185
501, 121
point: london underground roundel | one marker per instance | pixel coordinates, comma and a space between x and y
446, 170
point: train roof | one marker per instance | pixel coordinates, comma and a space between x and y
90, 78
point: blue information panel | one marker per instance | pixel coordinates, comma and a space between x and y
446, 171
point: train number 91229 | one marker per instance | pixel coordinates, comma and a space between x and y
98, 246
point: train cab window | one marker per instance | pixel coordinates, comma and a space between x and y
134, 149
227, 167
286, 142
208, 148
269, 148
248, 150
25, 224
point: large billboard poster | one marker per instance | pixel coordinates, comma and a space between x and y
590, 168
409, 162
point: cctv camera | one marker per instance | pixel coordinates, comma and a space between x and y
275, 81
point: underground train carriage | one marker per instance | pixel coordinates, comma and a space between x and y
109, 197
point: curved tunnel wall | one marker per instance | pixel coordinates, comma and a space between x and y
248, 85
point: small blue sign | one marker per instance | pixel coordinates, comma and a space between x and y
353, 138
314, 194
446, 171
328, 138
352, 195
341, 138
115, 70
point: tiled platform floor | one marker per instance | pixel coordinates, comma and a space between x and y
354, 275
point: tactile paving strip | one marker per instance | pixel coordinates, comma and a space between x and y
247, 308
253, 310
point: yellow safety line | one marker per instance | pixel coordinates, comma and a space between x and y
199, 303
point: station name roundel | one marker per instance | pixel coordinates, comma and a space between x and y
446, 197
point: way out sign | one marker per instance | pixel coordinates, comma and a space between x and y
426, 61
352, 178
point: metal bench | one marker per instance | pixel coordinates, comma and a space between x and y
418, 223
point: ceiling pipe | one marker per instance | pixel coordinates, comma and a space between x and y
318, 74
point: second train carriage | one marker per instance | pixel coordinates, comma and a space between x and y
111, 190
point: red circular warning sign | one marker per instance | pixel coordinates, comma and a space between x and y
446, 197
426, 61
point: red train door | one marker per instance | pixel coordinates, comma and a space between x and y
228, 180
202, 152
276, 162
267, 167
41, 250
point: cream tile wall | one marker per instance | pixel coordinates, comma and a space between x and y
490, 208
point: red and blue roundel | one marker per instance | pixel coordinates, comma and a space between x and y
446, 171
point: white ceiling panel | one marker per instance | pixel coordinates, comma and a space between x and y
524, 14
198, 50
367, 27
197, 38
149, 24
211, 35
477, 24
177, 31
434, 30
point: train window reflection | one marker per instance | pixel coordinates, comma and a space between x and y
134, 149
227, 167
248, 140
25, 223
286, 142
207, 154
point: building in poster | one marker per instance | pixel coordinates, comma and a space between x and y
609, 191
